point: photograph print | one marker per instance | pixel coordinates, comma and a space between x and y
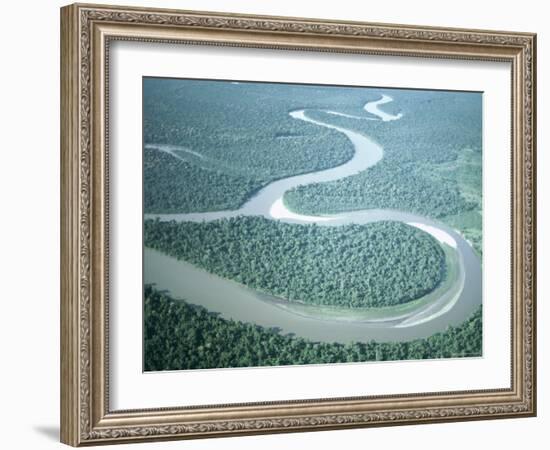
291, 224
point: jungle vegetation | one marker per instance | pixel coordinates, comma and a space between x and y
431, 165
243, 133
180, 336
377, 264
245, 138
174, 185
230, 139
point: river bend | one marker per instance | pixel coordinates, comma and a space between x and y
234, 301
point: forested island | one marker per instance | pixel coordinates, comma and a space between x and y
179, 336
372, 265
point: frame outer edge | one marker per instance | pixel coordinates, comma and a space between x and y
533, 168
80, 424
70, 299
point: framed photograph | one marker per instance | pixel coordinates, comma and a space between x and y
274, 224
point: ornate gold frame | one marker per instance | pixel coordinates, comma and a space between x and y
86, 31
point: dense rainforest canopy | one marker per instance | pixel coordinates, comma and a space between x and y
431, 165
376, 264
243, 135
180, 336
210, 146
174, 185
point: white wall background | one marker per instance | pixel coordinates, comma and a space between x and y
29, 229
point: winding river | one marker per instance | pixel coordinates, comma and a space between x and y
234, 301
